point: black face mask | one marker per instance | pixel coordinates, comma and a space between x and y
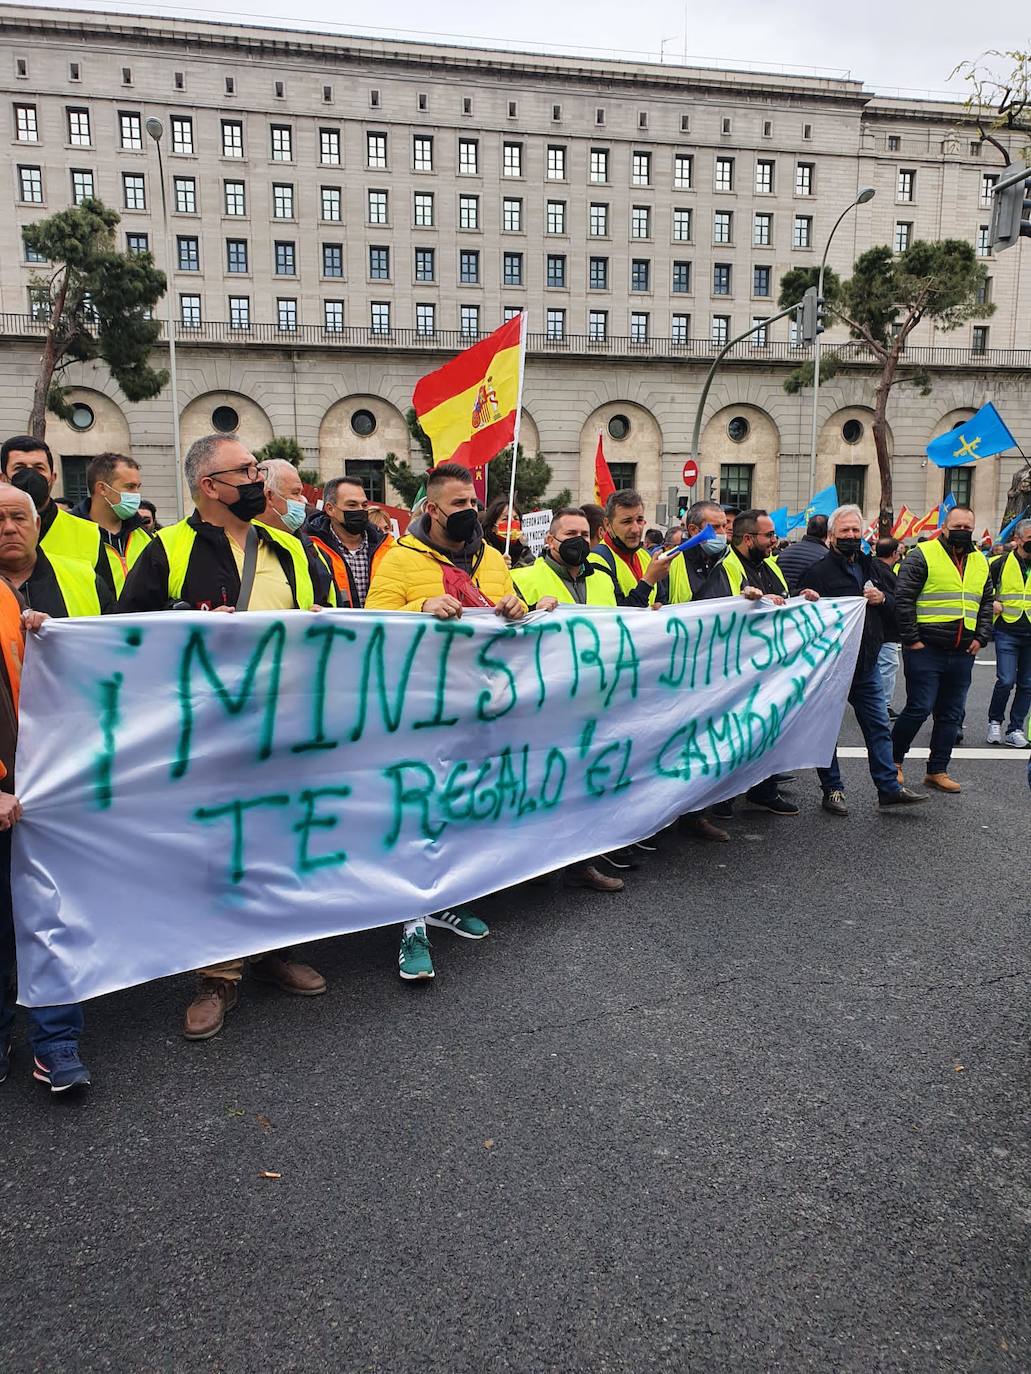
28, 479
250, 501
355, 521
1027, 549
461, 524
960, 539
574, 550
848, 548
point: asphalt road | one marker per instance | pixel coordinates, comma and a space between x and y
769, 1111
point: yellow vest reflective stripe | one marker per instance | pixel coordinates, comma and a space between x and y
541, 580
138, 541
178, 541
78, 585
1014, 591
70, 537
679, 582
947, 596
624, 575
735, 570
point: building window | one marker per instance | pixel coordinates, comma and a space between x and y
423, 210
327, 95
807, 131
39, 303
279, 89
906, 186
469, 319
555, 270
236, 255
79, 128
134, 193
137, 243
282, 200
624, 475
720, 331
232, 138
25, 124
639, 326
185, 189
379, 264
468, 157
512, 160
804, 178
187, 253
556, 162
802, 234
681, 284
762, 280
555, 324
379, 315
984, 246
556, 216
893, 143
333, 316
959, 482
82, 185
425, 264
282, 143
599, 221
422, 153
330, 204
721, 279
599, 166
764, 178
235, 198
469, 267
467, 105
762, 230
680, 329
767, 128
512, 269
284, 258
556, 113
378, 207
33, 255
983, 295
979, 339
724, 179
30, 184
723, 226
182, 134
850, 484
332, 259
641, 169
425, 319
988, 180
286, 313
681, 225
468, 212
683, 171
130, 129
329, 147
189, 312
229, 84
736, 485
599, 114
760, 334
376, 151
512, 216
369, 471
510, 312
903, 236
640, 274
598, 274
598, 325
640, 222
239, 312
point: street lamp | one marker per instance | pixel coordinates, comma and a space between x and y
156, 129
866, 193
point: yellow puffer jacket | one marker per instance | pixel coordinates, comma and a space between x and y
411, 573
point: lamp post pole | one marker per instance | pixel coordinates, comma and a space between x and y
155, 129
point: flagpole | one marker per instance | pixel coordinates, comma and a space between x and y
515, 433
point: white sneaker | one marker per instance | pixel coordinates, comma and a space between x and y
1016, 739
994, 732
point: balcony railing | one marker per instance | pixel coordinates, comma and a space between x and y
449, 341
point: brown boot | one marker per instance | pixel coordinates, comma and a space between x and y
586, 875
300, 979
206, 1013
899, 774
942, 782
705, 830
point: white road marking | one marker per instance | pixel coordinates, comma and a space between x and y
984, 662
852, 751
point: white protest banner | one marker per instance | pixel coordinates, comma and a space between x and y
536, 524
199, 787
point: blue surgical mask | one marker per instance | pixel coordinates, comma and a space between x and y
716, 544
295, 515
127, 505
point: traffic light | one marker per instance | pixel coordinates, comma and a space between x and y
710, 488
1010, 211
810, 314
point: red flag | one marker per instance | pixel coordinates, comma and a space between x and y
603, 483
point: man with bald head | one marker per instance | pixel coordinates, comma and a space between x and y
56, 585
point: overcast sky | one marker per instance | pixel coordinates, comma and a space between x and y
888, 44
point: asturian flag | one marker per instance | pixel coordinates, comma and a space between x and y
980, 437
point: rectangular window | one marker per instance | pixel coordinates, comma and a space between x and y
850, 484
468, 157
556, 217
187, 253
468, 212
556, 162
282, 143
134, 191
680, 330
79, 128
130, 129
329, 147
598, 274
599, 171
760, 334
30, 184
640, 222
239, 312
330, 207
286, 313
723, 226
720, 330
893, 143
512, 216
422, 153
425, 264
189, 312
988, 180
681, 284
376, 151
423, 212
762, 281
379, 315
724, 180
185, 189
379, 264
555, 324
683, 171
333, 316
232, 138
802, 233
639, 326
425, 319
903, 235
235, 198
599, 221
906, 185
736, 483
512, 160
332, 259
959, 482
182, 134
25, 124
641, 169
598, 325
764, 177
681, 225
979, 339
512, 269
555, 269
804, 178
624, 475
640, 274
236, 255
82, 185
39, 303
762, 230
983, 295
33, 255
469, 267
284, 256
137, 243
378, 207
369, 471
721, 279
469, 319
282, 200
984, 245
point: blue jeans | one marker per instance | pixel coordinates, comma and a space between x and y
48, 1026
888, 667
866, 698
1012, 669
937, 681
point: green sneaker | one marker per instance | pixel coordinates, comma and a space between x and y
414, 960
462, 923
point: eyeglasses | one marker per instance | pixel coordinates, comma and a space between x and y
249, 470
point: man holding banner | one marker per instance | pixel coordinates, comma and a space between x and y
621, 552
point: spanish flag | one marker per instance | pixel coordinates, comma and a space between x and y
603, 483
926, 522
469, 406
902, 524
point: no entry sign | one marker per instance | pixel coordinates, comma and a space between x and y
690, 473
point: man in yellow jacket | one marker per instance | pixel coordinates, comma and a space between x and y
440, 567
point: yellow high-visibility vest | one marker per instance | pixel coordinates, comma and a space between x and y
733, 566
77, 582
71, 537
122, 562
539, 579
1014, 591
178, 541
624, 574
947, 595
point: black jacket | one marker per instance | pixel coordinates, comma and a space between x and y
699, 565
761, 575
41, 592
797, 559
951, 634
1020, 629
831, 577
318, 526
117, 541
211, 578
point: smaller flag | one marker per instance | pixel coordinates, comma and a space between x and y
943, 510
902, 524
780, 522
921, 524
982, 436
1004, 534
825, 502
603, 483
706, 532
